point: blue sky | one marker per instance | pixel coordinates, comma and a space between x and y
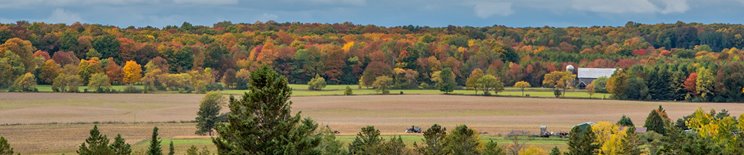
516, 13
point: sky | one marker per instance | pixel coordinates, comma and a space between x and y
435, 13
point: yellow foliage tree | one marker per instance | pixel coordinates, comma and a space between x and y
532, 150
522, 85
132, 72
347, 47
472, 80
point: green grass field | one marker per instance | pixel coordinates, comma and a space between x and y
330, 90
183, 144
301, 90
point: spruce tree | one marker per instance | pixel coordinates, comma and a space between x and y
625, 121
192, 150
329, 145
492, 148
462, 140
656, 121
5, 148
555, 151
394, 146
367, 141
120, 147
581, 140
434, 140
261, 121
631, 142
95, 144
154, 148
171, 150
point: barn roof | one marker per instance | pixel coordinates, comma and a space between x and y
595, 72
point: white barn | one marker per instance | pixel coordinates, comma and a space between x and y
585, 76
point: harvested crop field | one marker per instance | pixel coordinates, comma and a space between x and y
391, 114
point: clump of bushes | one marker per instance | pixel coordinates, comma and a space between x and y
317, 83
348, 91
132, 89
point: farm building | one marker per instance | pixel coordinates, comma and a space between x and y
585, 76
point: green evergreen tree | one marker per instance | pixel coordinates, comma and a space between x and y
555, 151
581, 140
192, 150
329, 145
95, 144
447, 83
631, 142
195, 151
209, 109
261, 121
367, 141
625, 121
5, 148
462, 141
171, 150
655, 121
120, 147
434, 140
492, 148
154, 148
659, 84
394, 146
678, 81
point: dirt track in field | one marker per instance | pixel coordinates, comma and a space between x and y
391, 114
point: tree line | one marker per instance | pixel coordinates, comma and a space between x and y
189, 58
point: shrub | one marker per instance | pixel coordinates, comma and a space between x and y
348, 91
24, 83
215, 86
557, 93
382, 83
132, 89
317, 83
99, 82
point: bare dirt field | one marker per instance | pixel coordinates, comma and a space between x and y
391, 114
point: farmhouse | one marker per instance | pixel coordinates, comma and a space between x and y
587, 75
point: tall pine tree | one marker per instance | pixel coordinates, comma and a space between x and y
367, 141
261, 121
95, 144
657, 121
5, 148
154, 148
463, 140
434, 140
171, 150
625, 121
581, 140
120, 147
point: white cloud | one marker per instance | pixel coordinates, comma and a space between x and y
673, 6
485, 9
63, 16
631, 6
266, 17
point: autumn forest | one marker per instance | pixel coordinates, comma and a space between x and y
671, 62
